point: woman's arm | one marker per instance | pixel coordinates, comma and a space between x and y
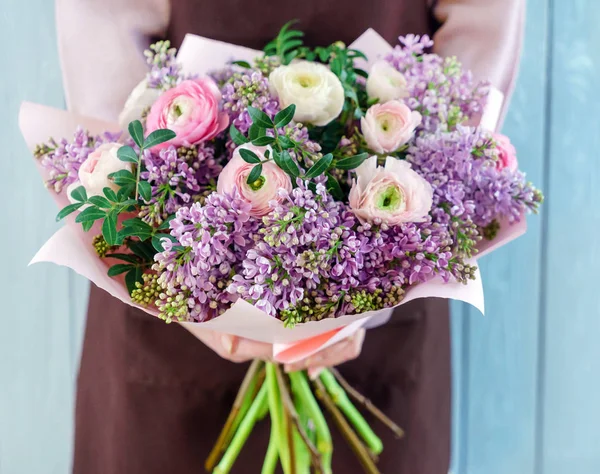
485, 35
101, 44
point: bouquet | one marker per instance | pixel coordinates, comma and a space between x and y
288, 196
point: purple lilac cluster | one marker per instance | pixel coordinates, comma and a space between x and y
313, 260
211, 241
62, 159
438, 88
306, 254
165, 71
177, 176
247, 88
461, 168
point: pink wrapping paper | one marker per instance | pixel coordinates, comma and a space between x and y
71, 247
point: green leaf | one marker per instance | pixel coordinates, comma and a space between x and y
87, 225
255, 131
285, 116
109, 229
137, 132
144, 250
334, 187
128, 154
351, 162
123, 177
165, 224
254, 174
65, 211
361, 73
79, 194
157, 137
355, 53
237, 136
136, 228
90, 214
126, 257
99, 201
145, 190
285, 162
260, 118
320, 166
136, 222
249, 156
118, 269
243, 64
125, 191
157, 241
110, 194
285, 142
263, 141
132, 277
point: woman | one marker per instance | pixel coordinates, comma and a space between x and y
151, 398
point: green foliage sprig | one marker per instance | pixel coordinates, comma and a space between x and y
282, 148
111, 204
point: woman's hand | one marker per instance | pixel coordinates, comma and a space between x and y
239, 349
234, 348
340, 352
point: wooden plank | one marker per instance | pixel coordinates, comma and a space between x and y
35, 339
497, 417
571, 382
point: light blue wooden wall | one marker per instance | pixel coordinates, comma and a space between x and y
527, 375
527, 381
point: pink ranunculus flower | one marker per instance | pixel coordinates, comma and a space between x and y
507, 155
388, 126
392, 194
191, 110
264, 189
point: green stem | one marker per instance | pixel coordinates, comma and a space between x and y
240, 407
340, 398
352, 438
272, 455
252, 390
137, 173
302, 389
276, 409
302, 454
294, 419
242, 433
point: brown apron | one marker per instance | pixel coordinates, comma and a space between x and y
151, 398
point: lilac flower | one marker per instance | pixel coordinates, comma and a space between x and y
63, 159
437, 87
461, 167
211, 241
247, 88
177, 177
165, 71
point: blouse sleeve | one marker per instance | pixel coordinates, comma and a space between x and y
486, 36
101, 45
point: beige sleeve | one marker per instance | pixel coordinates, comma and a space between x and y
485, 35
101, 45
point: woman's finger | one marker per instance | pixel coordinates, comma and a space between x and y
234, 348
340, 352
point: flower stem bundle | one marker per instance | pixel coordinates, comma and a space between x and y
300, 439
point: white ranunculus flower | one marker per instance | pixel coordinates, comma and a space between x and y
94, 171
386, 83
316, 91
141, 98
392, 194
